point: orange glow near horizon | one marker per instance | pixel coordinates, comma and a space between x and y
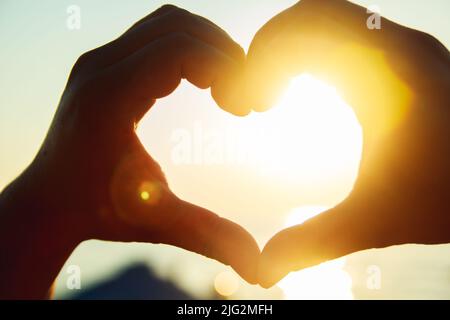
325, 281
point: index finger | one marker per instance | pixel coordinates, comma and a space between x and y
199, 230
309, 36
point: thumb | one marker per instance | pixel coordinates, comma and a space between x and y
162, 217
327, 236
201, 231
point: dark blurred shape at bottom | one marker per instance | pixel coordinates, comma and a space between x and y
136, 282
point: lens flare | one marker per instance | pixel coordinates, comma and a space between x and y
226, 283
149, 192
145, 195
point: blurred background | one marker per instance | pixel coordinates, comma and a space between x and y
40, 44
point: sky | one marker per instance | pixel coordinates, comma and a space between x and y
38, 52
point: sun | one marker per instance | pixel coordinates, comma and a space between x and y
317, 139
313, 134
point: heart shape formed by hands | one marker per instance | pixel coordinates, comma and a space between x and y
122, 194
331, 41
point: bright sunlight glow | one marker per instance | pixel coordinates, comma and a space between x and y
325, 281
304, 151
324, 137
313, 128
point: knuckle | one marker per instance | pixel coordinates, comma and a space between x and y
83, 63
86, 57
427, 38
167, 7
427, 41
180, 16
179, 40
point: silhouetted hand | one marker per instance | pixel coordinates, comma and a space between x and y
92, 178
398, 81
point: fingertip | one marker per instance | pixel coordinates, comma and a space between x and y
245, 259
262, 97
264, 84
239, 111
229, 93
265, 279
270, 267
201, 231
262, 104
241, 55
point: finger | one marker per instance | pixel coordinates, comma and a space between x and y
160, 11
328, 236
311, 37
164, 21
166, 9
198, 230
157, 69
336, 20
142, 200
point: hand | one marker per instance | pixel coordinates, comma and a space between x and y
398, 81
92, 177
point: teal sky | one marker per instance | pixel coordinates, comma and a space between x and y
38, 52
